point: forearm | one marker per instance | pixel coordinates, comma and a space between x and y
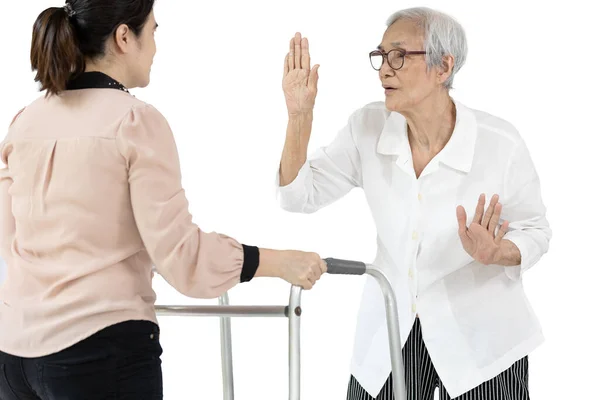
508, 254
295, 148
270, 262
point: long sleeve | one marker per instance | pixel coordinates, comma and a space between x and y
196, 263
523, 207
328, 175
7, 219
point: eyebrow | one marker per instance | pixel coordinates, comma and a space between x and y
395, 44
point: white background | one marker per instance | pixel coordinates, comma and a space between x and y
217, 78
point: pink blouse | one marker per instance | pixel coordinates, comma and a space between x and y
90, 200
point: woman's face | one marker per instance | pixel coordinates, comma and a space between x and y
413, 83
140, 54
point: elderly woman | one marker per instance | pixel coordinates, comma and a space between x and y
428, 166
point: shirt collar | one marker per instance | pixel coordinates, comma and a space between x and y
95, 80
458, 152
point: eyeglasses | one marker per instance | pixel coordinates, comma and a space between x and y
394, 58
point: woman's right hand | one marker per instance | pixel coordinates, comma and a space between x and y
299, 80
296, 267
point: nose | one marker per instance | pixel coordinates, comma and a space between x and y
386, 71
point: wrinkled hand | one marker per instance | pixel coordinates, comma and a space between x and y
480, 239
302, 269
299, 80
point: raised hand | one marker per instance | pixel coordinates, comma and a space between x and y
480, 239
299, 80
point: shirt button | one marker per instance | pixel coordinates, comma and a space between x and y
410, 273
414, 308
415, 235
420, 197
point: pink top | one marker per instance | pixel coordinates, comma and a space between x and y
90, 199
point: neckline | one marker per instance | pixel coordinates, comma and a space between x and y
95, 80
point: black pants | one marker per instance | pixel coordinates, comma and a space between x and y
422, 379
121, 362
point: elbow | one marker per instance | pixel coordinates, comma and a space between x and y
207, 286
540, 238
199, 285
544, 235
296, 198
298, 208
298, 205
537, 230
202, 292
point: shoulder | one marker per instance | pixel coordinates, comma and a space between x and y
144, 125
11, 127
112, 104
3, 147
140, 113
132, 105
373, 111
17, 115
27, 111
370, 118
496, 129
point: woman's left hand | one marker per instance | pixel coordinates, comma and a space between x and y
480, 239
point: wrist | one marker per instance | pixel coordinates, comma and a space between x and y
497, 257
251, 261
269, 264
507, 254
298, 132
301, 116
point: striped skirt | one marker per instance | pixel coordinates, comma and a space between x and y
422, 379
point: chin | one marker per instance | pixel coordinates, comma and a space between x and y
393, 104
399, 103
143, 82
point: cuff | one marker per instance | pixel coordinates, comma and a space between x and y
521, 241
251, 261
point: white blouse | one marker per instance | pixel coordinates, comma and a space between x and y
476, 319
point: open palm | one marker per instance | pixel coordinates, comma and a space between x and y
480, 239
299, 80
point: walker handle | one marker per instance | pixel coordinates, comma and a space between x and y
345, 267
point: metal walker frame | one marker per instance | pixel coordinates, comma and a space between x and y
293, 312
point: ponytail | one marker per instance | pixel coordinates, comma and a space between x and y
55, 53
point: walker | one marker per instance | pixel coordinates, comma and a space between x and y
293, 311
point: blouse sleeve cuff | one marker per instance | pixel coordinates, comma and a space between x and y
515, 273
251, 261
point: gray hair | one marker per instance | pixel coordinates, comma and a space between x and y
443, 35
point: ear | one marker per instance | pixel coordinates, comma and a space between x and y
446, 69
123, 38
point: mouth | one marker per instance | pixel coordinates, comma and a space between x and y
389, 89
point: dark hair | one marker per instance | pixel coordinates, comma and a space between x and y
64, 37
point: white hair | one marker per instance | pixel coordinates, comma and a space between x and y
442, 35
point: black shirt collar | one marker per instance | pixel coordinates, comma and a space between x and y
95, 80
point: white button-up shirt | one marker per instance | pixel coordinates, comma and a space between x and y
476, 319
